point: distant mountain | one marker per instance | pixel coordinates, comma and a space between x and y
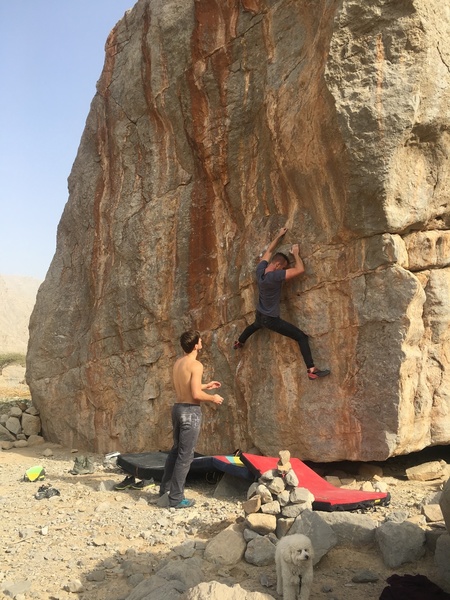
17, 298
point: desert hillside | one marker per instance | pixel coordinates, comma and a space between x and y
17, 298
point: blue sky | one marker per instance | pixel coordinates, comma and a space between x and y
51, 56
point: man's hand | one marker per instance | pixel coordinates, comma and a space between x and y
212, 385
299, 267
273, 244
217, 399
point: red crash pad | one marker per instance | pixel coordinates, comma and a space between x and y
327, 496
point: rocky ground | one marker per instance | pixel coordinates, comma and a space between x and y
94, 543
12, 383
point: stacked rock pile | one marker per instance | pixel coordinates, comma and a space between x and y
20, 426
275, 500
276, 507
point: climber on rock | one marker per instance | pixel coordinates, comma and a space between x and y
270, 277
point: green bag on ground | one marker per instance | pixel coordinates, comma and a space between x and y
36, 473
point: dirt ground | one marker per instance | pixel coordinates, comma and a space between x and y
90, 529
12, 383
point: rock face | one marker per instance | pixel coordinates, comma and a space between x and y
214, 124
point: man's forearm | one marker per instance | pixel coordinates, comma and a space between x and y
202, 396
299, 263
299, 267
210, 385
273, 244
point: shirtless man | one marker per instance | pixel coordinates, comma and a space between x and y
186, 418
270, 277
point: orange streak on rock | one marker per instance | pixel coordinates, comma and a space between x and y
99, 253
110, 61
153, 114
253, 6
214, 30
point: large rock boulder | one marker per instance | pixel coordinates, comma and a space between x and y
215, 123
213, 590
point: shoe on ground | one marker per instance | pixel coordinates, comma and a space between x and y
83, 465
88, 466
237, 345
78, 466
42, 491
163, 501
46, 492
318, 373
185, 503
126, 483
142, 485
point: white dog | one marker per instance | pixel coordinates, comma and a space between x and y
294, 561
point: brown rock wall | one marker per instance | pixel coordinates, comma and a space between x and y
215, 123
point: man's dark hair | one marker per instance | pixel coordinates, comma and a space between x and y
278, 257
189, 339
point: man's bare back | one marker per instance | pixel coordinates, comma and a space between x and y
182, 375
187, 380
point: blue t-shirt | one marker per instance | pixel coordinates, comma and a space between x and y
269, 285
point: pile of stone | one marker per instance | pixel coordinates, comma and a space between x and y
397, 539
276, 507
275, 500
20, 426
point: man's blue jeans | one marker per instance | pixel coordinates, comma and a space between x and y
284, 328
186, 421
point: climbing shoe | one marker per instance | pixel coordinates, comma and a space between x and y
142, 485
316, 373
88, 465
42, 491
185, 503
126, 483
237, 344
46, 491
78, 465
83, 465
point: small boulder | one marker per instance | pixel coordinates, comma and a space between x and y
227, 547
400, 543
426, 471
262, 523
